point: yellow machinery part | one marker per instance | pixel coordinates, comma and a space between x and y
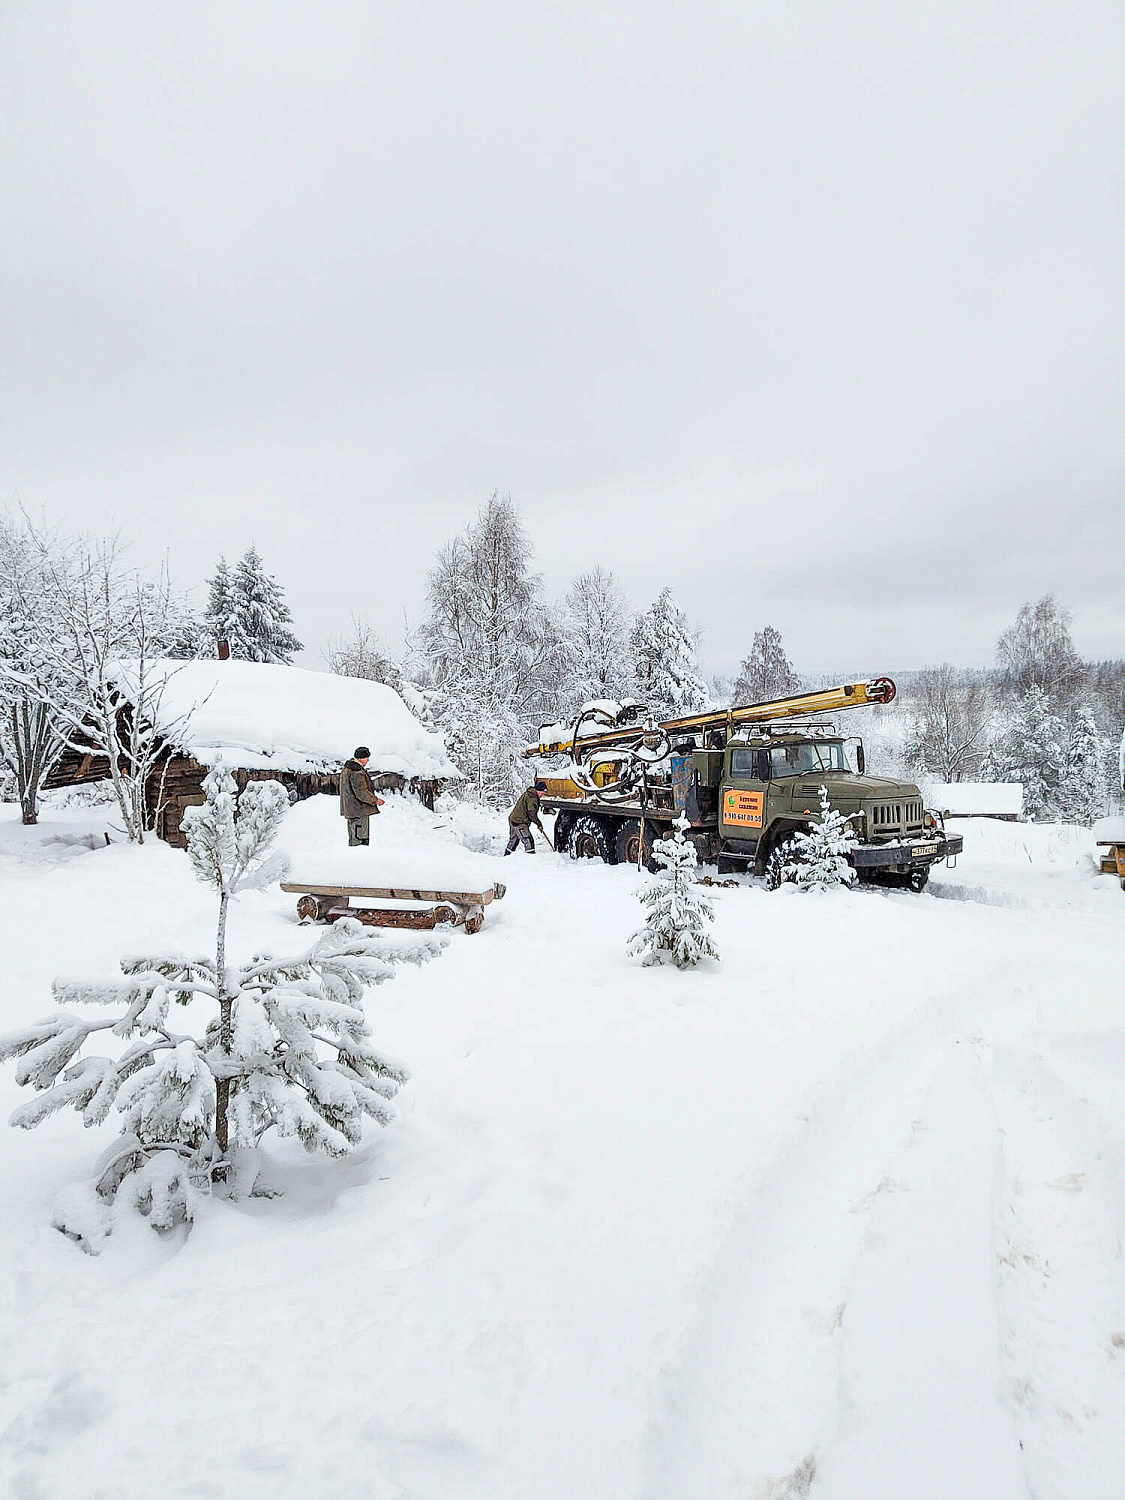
823, 701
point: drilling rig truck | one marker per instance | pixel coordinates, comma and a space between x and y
747, 780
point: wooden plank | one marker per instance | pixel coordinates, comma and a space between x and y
382, 916
396, 893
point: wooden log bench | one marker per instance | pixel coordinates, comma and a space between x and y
1113, 862
328, 903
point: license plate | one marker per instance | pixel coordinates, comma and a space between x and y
921, 850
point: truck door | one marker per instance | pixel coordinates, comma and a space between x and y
742, 796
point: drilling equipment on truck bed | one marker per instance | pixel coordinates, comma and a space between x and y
747, 779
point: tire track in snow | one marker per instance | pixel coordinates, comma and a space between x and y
751, 1396
1060, 1231
920, 1411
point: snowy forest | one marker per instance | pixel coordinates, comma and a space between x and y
493, 658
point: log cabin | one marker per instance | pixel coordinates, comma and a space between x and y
266, 723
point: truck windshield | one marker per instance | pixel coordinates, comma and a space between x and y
792, 760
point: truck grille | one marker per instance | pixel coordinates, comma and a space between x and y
896, 819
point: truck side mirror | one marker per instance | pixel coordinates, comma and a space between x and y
860, 758
762, 765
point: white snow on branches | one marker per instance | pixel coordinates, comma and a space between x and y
287, 1047
820, 856
676, 910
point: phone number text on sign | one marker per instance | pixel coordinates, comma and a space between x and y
743, 808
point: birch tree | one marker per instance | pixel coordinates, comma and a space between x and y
953, 718
766, 673
1036, 651
596, 622
105, 660
30, 739
361, 655
489, 649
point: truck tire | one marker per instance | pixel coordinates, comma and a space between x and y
779, 856
628, 839
917, 880
589, 839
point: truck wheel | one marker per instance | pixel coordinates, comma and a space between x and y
918, 879
589, 839
564, 822
628, 843
779, 856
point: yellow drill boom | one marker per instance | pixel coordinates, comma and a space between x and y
823, 701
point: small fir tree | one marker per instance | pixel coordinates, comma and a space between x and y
676, 910
287, 1045
820, 856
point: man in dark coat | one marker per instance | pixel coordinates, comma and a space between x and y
522, 816
358, 801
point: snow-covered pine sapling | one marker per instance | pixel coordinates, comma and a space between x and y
676, 910
286, 1046
820, 857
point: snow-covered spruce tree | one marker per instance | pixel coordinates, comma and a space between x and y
286, 1047
676, 910
1082, 791
217, 617
820, 857
246, 607
665, 665
1031, 750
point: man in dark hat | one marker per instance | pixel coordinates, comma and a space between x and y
358, 802
522, 816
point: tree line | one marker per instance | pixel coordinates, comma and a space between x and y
493, 658
1041, 716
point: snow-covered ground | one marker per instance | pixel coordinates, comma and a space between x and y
840, 1216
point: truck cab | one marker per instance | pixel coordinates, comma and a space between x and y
760, 791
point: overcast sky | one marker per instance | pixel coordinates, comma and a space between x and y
812, 311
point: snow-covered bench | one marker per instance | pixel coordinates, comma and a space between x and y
411, 906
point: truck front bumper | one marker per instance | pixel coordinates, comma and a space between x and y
920, 854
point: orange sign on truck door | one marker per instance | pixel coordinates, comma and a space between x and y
743, 808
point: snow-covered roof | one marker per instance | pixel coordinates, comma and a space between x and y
967, 799
260, 717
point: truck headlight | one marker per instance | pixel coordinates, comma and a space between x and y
859, 826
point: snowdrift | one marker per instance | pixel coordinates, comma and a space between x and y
404, 851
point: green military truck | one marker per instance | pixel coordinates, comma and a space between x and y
747, 780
